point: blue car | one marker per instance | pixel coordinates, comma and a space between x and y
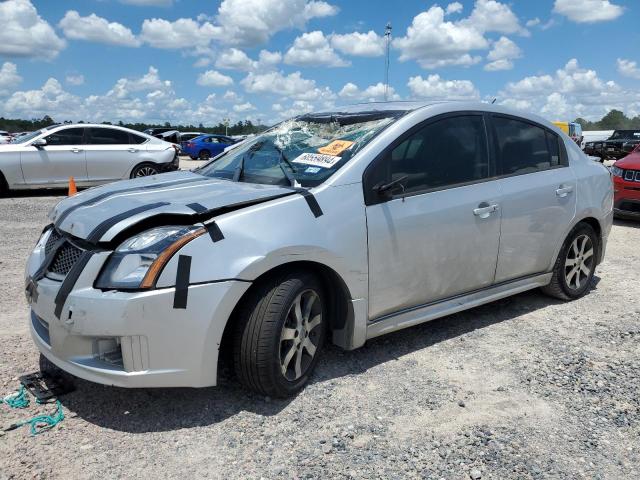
205, 147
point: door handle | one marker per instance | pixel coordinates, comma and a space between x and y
563, 191
76, 150
484, 210
133, 150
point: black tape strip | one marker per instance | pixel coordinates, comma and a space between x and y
70, 280
197, 207
106, 195
182, 281
312, 202
39, 274
97, 233
214, 232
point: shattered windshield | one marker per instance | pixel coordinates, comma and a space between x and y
304, 151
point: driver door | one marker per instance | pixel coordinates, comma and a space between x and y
52, 164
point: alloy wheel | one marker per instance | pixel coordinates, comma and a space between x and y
145, 171
300, 336
579, 263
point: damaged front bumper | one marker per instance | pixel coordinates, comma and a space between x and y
131, 339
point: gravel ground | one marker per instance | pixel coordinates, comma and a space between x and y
526, 387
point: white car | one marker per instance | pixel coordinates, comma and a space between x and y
91, 154
5, 137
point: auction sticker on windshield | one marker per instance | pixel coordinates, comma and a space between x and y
336, 147
317, 160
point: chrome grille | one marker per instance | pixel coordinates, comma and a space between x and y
54, 236
65, 259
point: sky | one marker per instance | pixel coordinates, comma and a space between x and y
189, 61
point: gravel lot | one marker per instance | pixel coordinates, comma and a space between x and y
526, 387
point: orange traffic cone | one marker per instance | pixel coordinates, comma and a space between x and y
72, 187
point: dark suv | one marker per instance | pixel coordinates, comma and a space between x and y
618, 145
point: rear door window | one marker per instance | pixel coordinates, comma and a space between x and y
68, 136
524, 147
108, 136
136, 139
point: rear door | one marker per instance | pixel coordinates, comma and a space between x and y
62, 157
538, 195
110, 154
437, 235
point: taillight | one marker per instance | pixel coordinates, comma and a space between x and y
189, 144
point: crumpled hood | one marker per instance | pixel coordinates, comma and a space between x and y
100, 213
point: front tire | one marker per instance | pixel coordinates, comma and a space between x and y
279, 334
204, 155
576, 264
144, 170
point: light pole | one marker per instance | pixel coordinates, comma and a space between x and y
226, 121
387, 37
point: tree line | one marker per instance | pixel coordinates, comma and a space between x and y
614, 120
239, 128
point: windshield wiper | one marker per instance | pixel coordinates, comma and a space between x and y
239, 169
282, 160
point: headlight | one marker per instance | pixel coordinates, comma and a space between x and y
138, 261
616, 171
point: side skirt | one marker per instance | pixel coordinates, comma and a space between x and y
431, 311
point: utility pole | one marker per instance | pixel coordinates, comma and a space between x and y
226, 121
387, 37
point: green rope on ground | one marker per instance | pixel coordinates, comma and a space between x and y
42, 423
18, 399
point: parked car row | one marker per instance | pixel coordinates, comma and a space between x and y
91, 153
618, 145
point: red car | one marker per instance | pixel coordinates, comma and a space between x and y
626, 183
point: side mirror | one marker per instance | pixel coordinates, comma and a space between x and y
39, 143
386, 190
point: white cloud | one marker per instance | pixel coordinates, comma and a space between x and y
493, 16
235, 59
502, 54
25, 34
435, 42
572, 91
148, 3
97, 29
211, 78
292, 86
435, 88
9, 78
253, 22
268, 59
313, 50
628, 68
202, 62
231, 96
588, 11
150, 81
533, 22
183, 33
371, 94
75, 79
358, 44
454, 7
51, 99
243, 107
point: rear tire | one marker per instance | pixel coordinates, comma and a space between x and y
144, 170
204, 155
192, 157
4, 188
279, 334
576, 264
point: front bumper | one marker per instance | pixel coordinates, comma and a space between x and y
133, 339
626, 201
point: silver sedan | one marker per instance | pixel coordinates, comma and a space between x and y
91, 154
340, 226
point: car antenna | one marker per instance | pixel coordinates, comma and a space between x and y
494, 100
